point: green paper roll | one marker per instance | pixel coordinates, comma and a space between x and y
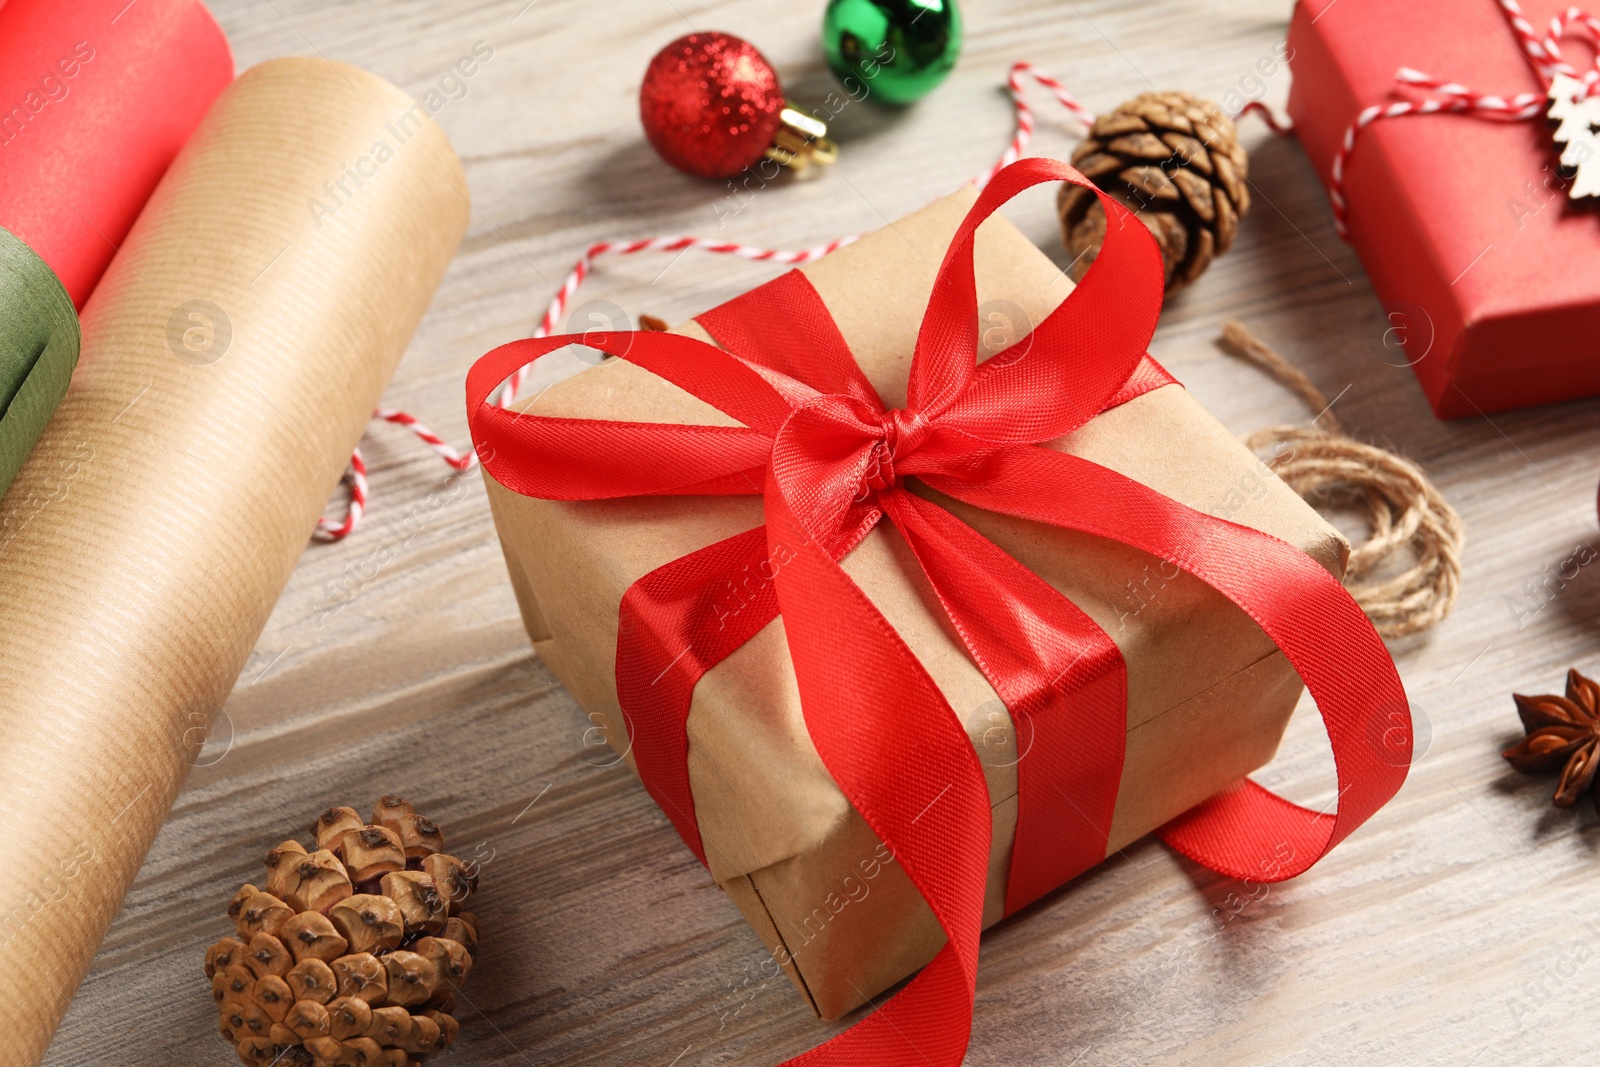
39, 341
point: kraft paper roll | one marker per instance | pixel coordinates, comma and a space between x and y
231, 358
96, 98
38, 349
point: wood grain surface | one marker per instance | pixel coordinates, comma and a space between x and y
1453, 929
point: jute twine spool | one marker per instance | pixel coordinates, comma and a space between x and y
1403, 509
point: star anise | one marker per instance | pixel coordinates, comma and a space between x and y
1563, 732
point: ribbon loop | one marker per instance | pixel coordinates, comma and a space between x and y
1071, 364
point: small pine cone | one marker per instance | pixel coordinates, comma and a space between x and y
1176, 162
353, 950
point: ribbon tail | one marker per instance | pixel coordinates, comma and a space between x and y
926, 1024
1060, 676
897, 751
675, 624
1246, 832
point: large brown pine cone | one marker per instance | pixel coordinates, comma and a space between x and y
1176, 161
353, 951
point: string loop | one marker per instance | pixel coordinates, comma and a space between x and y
1402, 508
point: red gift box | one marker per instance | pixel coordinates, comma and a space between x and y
1487, 269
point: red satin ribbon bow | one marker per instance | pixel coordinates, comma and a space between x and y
830, 462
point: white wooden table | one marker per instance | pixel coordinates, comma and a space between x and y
1453, 929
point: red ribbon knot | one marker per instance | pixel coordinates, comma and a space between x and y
880, 464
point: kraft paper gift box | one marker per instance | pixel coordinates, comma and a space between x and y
1487, 270
1208, 694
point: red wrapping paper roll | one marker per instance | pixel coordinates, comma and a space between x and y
96, 98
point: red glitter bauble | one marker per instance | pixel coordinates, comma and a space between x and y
710, 104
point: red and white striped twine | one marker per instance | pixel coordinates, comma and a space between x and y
569, 288
1274, 123
356, 482
1545, 53
1451, 97
356, 486
1019, 102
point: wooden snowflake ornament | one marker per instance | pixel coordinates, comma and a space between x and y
1578, 116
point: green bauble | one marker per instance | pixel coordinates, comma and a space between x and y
893, 51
